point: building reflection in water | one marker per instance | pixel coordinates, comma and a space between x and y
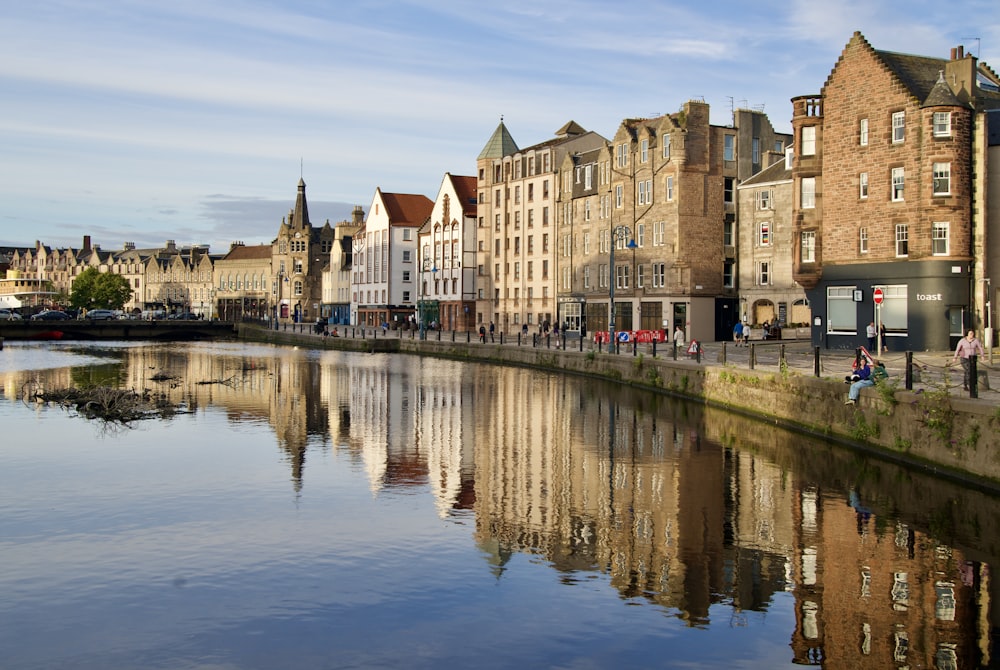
704, 514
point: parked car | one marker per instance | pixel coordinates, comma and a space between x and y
9, 315
100, 315
51, 315
184, 316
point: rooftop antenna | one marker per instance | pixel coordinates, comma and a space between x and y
979, 44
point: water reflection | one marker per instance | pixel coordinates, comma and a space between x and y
710, 519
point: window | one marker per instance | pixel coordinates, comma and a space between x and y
586, 210
670, 189
863, 131
755, 150
764, 199
902, 240
588, 177
894, 308
641, 195
939, 239
809, 246
942, 178
841, 311
666, 146
728, 189
898, 181
621, 155
728, 272
728, 230
863, 185
863, 240
808, 141
619, 196
644, 151
898, 127
659, 233
659, 275
942, 124
808, 187
763, 273
729, 148
764, 234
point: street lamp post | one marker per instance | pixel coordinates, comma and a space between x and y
618, 233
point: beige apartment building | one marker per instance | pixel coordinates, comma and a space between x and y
336, 306
516, 222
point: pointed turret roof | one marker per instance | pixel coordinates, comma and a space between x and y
500, 144
941, 94
300, 215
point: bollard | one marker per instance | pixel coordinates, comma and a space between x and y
816, 361
722, 356
752, 359
439, 334
697, 353
581, 342
781, 356
973, 377
468, 336
654, 347
534, 340
908, 375
673, 349
635, 346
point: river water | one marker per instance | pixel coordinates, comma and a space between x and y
308, 509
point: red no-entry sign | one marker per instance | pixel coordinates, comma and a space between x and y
877, 296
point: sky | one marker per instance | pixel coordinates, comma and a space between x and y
192, 120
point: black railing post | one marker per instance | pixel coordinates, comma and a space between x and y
781, 356
973, 376
816, 361
654, 347
752, 359
723, 353
908, 376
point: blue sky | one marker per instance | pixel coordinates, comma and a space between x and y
143, 120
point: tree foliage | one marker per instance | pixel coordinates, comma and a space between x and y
104, 290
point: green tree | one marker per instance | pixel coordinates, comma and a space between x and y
94, 289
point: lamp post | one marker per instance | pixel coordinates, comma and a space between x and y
618, 234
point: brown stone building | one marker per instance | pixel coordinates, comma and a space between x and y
300, 254
889, 158
668, 184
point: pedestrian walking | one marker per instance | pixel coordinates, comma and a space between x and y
968, 346
738, 333
871, 333
492, 330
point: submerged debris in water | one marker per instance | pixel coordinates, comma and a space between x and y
108, 403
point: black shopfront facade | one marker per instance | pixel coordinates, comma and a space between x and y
925, 304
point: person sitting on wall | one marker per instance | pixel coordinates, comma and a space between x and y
867, 376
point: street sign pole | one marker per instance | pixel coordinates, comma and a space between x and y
877, 296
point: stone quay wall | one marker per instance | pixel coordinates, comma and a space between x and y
950, 436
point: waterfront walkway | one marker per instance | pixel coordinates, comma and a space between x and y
932, 370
